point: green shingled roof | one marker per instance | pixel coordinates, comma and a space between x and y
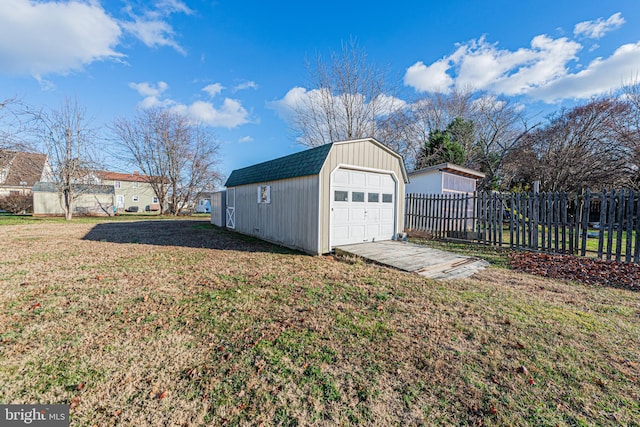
308, 162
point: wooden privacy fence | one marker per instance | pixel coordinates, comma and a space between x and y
604, 224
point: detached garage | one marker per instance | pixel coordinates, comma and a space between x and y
336, 194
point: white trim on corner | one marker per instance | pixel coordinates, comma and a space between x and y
319, 224
365, 169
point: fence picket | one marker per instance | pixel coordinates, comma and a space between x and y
619, 219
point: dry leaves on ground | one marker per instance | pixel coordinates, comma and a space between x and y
585, 270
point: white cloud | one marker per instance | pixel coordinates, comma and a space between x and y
149, 89
294, 98
599, 77
300, 98
245, 139
173, 6
151, 94
58, 37
152, 27
598, 28
153, 33
432, 78
213, 89
483, 66
246, 85
548, 70
40, 38
388, 104
229, 115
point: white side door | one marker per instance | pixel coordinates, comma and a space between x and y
231, 208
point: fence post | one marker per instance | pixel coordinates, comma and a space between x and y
584, 213
603, 220
540, 206
636, 252
619, 220
563, 220
629, 227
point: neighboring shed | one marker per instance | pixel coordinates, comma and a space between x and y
445, 178
94, 200
335, 194
219, 208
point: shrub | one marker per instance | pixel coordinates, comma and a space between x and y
17, 203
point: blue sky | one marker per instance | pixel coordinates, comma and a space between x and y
231, 64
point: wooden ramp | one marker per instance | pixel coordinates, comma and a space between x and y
428, 262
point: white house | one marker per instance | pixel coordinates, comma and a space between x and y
335, 194
445, 178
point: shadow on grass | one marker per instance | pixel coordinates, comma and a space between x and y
184, 233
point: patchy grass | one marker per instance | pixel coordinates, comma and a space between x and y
10, 219
182, 323
497, 257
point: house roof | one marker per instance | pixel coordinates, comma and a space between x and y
118, 176
451, 168
304, 163
22, 169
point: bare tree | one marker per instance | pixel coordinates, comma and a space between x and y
178, 157
69, 144
348, 100
629, 129
578, 148
499, 126
410, 128
11, 130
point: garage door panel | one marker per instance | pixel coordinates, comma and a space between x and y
386, 214
357, 179
357, 214
341, 215
374, 180
373, 214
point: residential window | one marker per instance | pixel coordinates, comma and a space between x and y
373, 197
264, 194
117, 184
154, 200
341, 196
357, 196
135, 184
387, 198
134, 198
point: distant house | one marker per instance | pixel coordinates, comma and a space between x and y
133, 192
335, 194
92, 199
19, 171
203, 204
444, 178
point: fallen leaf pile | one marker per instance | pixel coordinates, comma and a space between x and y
585, 270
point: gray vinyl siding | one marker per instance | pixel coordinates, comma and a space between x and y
48, 203
363, 154
291, 219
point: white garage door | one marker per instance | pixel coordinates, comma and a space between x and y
362, 207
